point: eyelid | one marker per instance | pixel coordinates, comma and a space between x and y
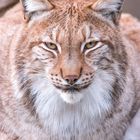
50, 43
43, 45
88, 41
49, 40
98, 45
91, 45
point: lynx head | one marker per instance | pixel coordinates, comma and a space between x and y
70, 53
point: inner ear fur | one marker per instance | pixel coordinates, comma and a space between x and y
32, 7
109, 9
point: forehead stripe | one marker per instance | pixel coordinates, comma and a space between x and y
88, 32
55, 34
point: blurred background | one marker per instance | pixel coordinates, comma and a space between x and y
130, 6
133, 7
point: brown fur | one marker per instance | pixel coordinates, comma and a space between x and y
18, 118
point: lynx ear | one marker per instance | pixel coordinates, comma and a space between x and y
110, 9
32, 7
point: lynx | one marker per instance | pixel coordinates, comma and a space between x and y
69, 70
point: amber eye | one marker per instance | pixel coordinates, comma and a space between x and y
51, 46
91, 44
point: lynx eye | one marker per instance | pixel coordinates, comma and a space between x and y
51, 46
90, 45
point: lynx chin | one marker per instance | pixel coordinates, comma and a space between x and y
69, 70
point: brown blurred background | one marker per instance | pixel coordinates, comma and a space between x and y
130, 6
133, 7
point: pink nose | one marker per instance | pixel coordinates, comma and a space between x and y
71, 79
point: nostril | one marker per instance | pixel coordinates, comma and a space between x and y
71, 79
75, 80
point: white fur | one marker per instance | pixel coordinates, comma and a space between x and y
71, 98
34, 5
110, 5
59, 111
88, 32
133, 132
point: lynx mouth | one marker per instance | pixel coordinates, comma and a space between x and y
72, 88
71, 94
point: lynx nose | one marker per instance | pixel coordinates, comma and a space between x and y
71, 79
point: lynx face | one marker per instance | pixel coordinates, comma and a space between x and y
71, 54
71, 66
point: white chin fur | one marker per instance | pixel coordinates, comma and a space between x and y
63, 109
71, 98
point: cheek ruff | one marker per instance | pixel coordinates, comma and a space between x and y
66, 108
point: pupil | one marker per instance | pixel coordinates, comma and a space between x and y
53, 46
91, 43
